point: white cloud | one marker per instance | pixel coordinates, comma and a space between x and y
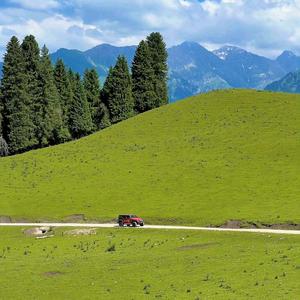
185, 3
53, 31
210, 7
265, 26
37, 4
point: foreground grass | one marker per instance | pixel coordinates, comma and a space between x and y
149, 264
220, 156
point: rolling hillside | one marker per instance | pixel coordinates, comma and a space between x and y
224, 155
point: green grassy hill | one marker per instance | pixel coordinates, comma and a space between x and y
210, 158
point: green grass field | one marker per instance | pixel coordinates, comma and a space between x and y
223, 155
149, 264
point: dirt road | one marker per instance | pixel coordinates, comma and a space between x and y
166, 227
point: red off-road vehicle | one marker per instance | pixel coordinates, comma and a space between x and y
130, 220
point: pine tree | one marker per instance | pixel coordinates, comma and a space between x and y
1, 113
50, 129
117, 92
18, 128
159, 57
143, 79
72, 80
80, 114
31, 55
92, 89
102, 119
64, 88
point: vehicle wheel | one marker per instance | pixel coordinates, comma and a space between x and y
121, 224
142, 224
134, 224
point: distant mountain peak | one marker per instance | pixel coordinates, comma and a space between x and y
106, 46
287, 54
190, 44
227, 50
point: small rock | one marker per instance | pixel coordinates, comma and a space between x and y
37, 231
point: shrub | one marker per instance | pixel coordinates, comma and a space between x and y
111, 248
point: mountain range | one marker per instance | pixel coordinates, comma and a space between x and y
193, 69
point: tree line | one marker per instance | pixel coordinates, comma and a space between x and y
43, 104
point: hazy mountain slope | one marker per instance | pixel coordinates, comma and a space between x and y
105, 55
193, 69
254, 71
289, 84
100, 58
289, 61
214, 157
74, 59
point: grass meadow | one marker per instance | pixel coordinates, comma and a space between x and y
149, 264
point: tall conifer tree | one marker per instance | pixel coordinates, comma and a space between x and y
159, 57
117, 92
51, 129
102, 119
72, 80
92, 89
18, 128
31, 55
143, 79
64, 88
80, 114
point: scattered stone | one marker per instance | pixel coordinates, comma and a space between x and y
81, 231
44, 236
37, 231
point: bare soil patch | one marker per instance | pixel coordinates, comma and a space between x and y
240, 224
52, 274
77, 218
197, 246
5, 219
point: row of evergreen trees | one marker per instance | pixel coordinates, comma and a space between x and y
42, 104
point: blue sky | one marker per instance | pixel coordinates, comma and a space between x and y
263, 26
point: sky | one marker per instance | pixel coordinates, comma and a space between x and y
266, 27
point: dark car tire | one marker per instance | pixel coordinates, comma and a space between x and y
121, 224
142, 224
134, 224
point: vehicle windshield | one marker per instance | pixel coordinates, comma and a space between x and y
133, 216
